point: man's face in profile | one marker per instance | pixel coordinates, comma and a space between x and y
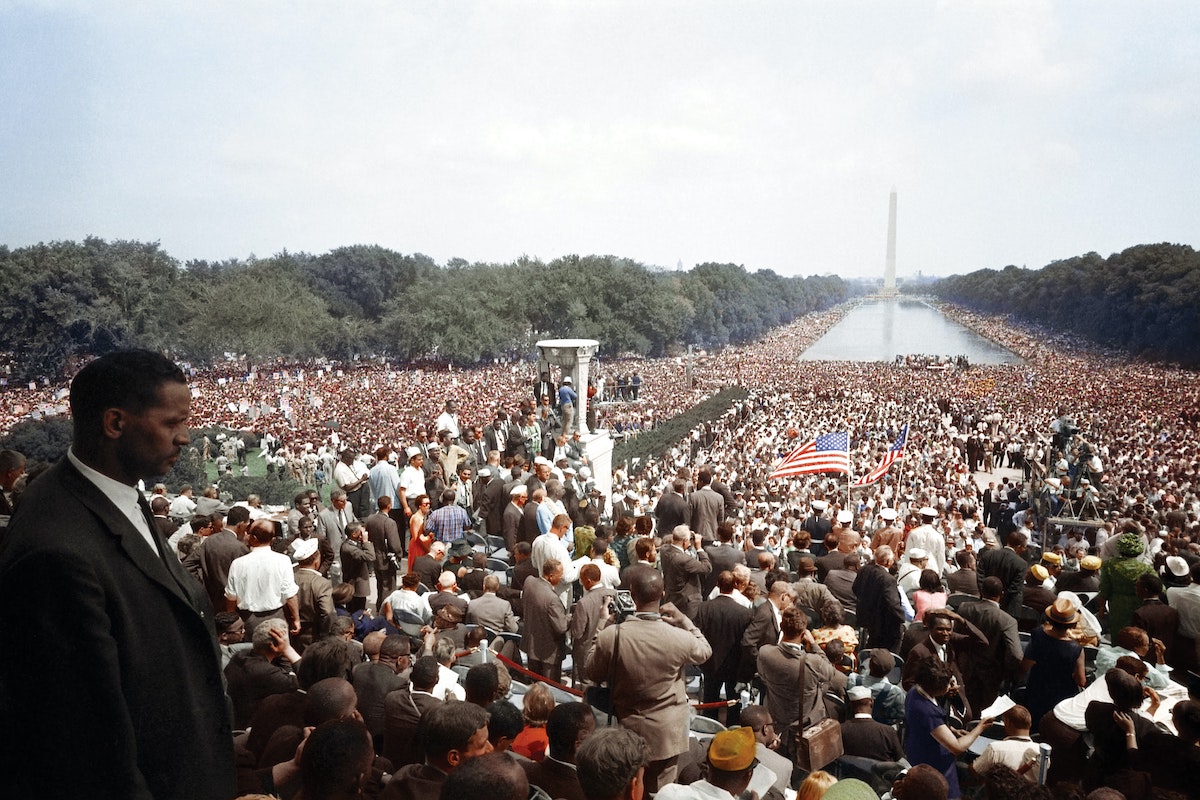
150, 440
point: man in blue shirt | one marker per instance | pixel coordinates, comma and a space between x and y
567, 398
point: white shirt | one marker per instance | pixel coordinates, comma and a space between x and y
181, 506
124, 497
448, 422
408, 600
261, 580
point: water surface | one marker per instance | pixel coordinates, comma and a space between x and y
879, 330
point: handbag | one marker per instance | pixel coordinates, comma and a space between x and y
819, 744
600, 697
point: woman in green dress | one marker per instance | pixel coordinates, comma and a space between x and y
1117, 578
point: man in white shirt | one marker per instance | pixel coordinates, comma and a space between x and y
261, 583
550, 545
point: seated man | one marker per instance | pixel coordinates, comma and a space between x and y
452, 734
1131, 641
1016, 750
731, 761
403, 710
263, 670
612, 765
862, 736
568, 726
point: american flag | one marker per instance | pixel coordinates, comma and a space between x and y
829, 452
894, 452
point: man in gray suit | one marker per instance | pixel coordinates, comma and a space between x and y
723, 555
332, 521
544, 641
706, 506
490, 610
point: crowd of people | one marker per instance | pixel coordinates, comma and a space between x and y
453, 557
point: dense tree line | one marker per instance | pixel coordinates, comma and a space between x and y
1144, 300
62, 300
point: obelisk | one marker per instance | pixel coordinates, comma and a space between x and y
889, 271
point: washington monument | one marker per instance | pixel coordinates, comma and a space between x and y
889, 271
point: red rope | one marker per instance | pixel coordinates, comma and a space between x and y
514, 665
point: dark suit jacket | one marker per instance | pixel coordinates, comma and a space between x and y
985, 669
557, 779
723, 621
136, 679
681, 577
671, 511
357, 560
963, 581
217, 552
879, 606
723, 557
867, 738
763, 630
402, 712
372, 684
430, 569
1009, 567
707, 510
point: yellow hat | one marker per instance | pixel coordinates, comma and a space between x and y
1090, 563
1039, 572
733, 750
1052, 558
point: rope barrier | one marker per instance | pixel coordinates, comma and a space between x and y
508, 662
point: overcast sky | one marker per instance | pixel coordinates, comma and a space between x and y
767, 134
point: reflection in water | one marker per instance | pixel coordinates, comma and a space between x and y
879, 330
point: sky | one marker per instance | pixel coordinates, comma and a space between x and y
766, 134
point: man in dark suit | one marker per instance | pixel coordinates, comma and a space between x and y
949, 635
964, 580
567, 728
147, 713
723, 621
162, 520
219, 550
429, 566
513, 516
683, 565
862, 735
1007, 564
672, 508
403, 709
987, 668
879, 607
764, 625
384, 536
723, 555
358, 556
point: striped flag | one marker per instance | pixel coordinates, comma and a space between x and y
829, 452
896, 451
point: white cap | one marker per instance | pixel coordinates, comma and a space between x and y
916, 554
845, 516
412, 451
520, 488
928, 512
856, 693
304, 548
888, 513
819, 505
567, 379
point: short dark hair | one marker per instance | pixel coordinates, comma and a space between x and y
496, 776
324, 658
608, 761
449, 726
127, 379
480, 683
336, 754
237, 515
504, 719
563, 727
424, 673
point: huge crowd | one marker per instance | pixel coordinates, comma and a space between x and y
1038, 540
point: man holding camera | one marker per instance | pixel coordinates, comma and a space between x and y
644, 658
683, 563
